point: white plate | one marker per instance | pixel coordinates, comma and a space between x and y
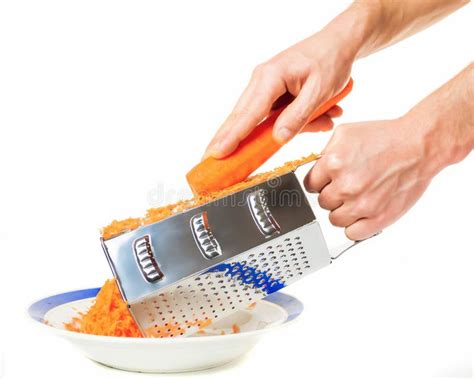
168, 354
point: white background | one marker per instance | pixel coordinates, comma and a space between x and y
103, 104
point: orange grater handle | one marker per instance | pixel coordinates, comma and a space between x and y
216, 174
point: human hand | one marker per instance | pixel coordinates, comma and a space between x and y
317, 68
309, 72
371, 173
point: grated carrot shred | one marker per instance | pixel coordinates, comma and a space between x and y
251, 306
157, 214
108, 316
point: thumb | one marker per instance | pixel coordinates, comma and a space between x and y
297, 113
362, 229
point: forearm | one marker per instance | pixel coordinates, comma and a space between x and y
371, 25
447, 119
317, 68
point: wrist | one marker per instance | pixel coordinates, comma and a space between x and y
446, 120
354, 29
427, 132
437, 133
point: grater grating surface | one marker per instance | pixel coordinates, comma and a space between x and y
194, 302
180, 274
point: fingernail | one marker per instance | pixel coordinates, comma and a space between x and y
216, 147
217, 150
283, 135
210, 152
206, 154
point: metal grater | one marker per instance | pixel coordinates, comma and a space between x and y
180, 274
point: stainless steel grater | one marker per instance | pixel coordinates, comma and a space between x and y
180, 274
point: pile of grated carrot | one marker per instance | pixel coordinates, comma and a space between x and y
109, 315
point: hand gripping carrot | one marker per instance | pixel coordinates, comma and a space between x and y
216, 174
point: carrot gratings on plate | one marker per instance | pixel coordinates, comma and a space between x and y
210, 180
109, 315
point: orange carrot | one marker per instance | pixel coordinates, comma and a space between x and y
216, 174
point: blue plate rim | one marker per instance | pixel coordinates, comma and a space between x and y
38, 310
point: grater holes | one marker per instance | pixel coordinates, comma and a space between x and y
216, 293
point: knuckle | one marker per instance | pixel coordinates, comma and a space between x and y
382, 219
257, 71
336, 219
364, 207
341, 131
314, 82
266, 70
333, 162
328, 200
372, 208
323, 201
299, 117
309, 182
346, 190
350, 187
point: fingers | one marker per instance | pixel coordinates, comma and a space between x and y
343, 216
328, 198
266, 86
347, 208
335, 111
265, 90
296, 115
323, 123
363, 229
316, 179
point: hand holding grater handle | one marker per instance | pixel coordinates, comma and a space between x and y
182, 273
336, 250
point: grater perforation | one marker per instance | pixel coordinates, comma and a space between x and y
191, 304
251, 252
